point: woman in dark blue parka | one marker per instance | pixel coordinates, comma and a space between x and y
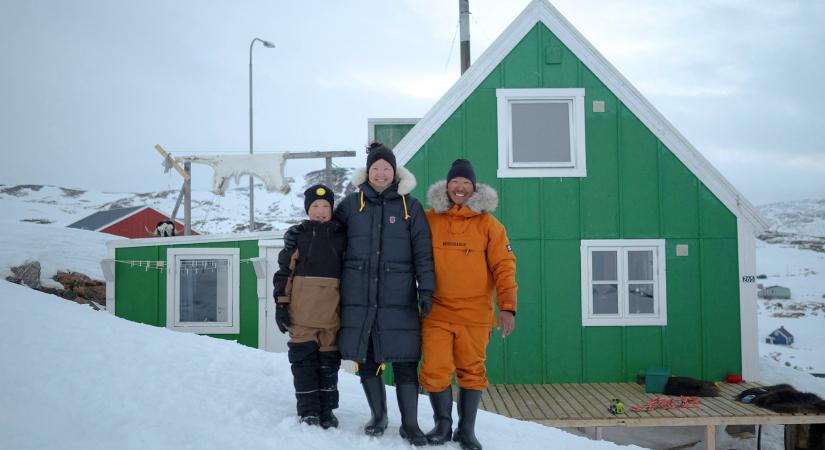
387, 283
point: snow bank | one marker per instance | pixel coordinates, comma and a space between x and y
56, 247
76, 378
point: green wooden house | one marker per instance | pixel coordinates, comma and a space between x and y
216, 285
633, 251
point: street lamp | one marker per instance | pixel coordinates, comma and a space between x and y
266, 44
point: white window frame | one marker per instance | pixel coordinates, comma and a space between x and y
624, 318
509, 169
173, 257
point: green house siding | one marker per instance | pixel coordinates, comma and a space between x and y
140, 294
635, 189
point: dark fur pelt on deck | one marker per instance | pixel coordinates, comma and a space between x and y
691, 387
783, 398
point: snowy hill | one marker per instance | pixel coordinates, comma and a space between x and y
211, 214
802, 218
77, 378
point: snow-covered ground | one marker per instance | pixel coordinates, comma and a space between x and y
802, 271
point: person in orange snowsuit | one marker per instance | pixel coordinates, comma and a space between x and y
473, 261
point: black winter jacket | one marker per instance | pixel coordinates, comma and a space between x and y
389, 260
309, 272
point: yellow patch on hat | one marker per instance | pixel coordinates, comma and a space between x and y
320, 191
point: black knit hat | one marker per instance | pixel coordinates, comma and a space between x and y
377, 151
319, 191
462, 168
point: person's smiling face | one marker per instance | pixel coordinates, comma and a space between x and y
320, 210
460, 189
381, 174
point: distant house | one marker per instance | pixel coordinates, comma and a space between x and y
780, 336
772, 292
130, 222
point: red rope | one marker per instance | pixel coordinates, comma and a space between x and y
668, 403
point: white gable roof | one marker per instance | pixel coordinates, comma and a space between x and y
543, 11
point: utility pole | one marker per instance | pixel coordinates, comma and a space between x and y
464, 27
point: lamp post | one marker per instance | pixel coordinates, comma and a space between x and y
266, 44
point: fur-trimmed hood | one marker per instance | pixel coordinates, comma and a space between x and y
405, 178
485, 198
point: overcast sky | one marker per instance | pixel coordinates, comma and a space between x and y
88, 87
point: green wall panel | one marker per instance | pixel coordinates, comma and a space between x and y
720, 308
522, 213
642, 349
680, 197
495, 359
560, 208
136, 289
683, 335
600, 189
639, 178
523, 345
562, 312
249, 296
521, 66
715, 219
603, 356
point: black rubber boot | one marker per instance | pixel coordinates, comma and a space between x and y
377, 399
465, 434
328, 420
407, 395
442, 403
305, 366
328, 373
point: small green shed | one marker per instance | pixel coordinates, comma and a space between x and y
633, 251
217, 285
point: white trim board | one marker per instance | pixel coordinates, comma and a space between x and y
543, 11
748, 320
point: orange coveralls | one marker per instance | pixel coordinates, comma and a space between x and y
473, 260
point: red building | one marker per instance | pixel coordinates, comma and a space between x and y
127, 222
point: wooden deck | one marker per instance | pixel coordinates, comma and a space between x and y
586, 405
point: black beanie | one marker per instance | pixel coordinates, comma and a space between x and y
462, 168
377, 151
316, 192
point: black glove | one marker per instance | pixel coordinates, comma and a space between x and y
425, 303
282, 317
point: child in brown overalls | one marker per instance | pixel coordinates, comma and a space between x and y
306, 289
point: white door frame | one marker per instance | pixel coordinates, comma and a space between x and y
269, 337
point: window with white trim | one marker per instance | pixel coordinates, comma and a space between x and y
203, 290
623, 282
541, 133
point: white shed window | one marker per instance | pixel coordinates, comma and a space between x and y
541, 133
623, 282
202, 290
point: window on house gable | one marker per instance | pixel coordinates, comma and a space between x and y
623, 282
541, 133
203, 290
